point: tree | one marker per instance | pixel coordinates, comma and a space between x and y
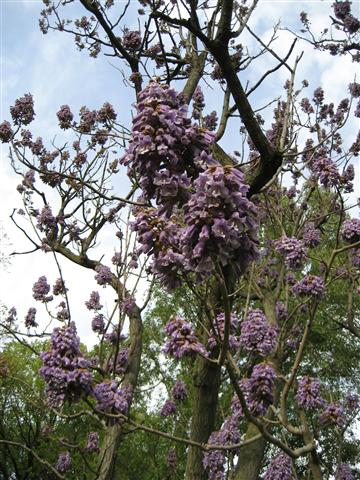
258, 252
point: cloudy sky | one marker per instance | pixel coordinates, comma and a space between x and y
56, 73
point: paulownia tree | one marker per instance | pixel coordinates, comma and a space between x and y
258, 251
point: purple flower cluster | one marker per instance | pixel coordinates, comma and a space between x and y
341, 9
308, 393
6, 132
210, 121
352, 401
333, 414
165, 145
257, 335
65, 370
219, 329
98, 324
40, 290
103, 274
94, 302
22, 112
343, 472
280, 468
311, 235
131, 40
92, 444
292, 250
171, 460
169, 408
110, 397
63, 463
65, 117
327, 171
221, 222
198, 102
350, 230
309, 285
59, 287
261, 386
30, 318
179, 391
87, 120
281, 311
214, 460
183, 341
46, 222
106, 113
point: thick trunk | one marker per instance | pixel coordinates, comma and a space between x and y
207, 383
250, 458
109, 452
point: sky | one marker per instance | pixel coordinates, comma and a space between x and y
56, 73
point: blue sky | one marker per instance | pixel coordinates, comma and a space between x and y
51, 68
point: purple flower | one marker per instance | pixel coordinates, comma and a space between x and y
40, 290
46, 222
183, 341
59, 287
87, 120
352, 401
65, 117
292, 250
350, 230
94, 302
92, 444
131, 40
30, 318
257, 335
22, 112
210, 121
98, 324
308, 393
171, 459
333, 414
309, 285
109, 397
261, 385
341, 9
6, 132
169, 408
65, 369
311, 235
198, 102
103, 275
219, 329
106, 113
280, 468
327, 171
63, 463
343, 472
179, 391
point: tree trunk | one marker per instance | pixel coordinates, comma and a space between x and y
207, 384
109, 452
250, 457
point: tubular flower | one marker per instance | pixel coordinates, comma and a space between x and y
257, 335
308, 393
183, 341
279, 468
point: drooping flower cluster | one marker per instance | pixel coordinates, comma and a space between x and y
308, 393
65, 369
261, 385
46, 222
343, 472
65, 117
292, 250
22, 112
94, 302
311, 235
333, 414
103, 274
198, 102
59, 287
221, 222
40, 290
220, 328
6, 132
327, 171
30, 318
131, 40
280, 468
309, 285
179, 391
111, 398
165, 145
98, 324
352, 402
183, 341
63, 463
350, 230
92, 444
214, 460
257, 335
169, 408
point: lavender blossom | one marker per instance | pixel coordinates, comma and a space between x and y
65, 117
179, 391
292, 250
110, 397
343, 472
22, 112
280, 468
6, 133
40, 290
198, 102
210, 121
131, 40
350, 230
333, 414
327, 171
30, 318
220, 328
308, 393
94, 302
261, 385
311, 235
352, 402
169, 408
106, 113
183, 341
98, 324
103, 275
63, 463
46, 222
171, 460
92, 444
257, 335
309, 285
59, 287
